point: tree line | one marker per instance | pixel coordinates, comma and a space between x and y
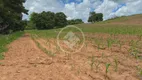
50, 20
75, 21
11, 15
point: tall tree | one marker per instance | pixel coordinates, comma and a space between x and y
11, 15
92, 17
60, 19
48, 20
44, 20
95, 17
99, 17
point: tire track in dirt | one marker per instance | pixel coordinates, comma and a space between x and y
25, 61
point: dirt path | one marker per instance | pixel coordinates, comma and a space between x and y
25, 61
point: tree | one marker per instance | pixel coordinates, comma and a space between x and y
30, 25
44, 20
11, 15
78, 21
60, 19
24, 23
92, 17
99, 17
95, 17
48, 20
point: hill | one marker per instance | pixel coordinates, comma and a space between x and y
134, 19
122, 25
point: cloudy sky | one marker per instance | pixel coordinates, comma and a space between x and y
80, 8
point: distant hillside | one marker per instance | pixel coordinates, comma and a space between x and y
134, 19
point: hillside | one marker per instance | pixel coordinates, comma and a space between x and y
122, 25
134, 19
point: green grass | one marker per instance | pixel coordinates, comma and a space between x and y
129, 27
124, 19
52, 33
94, 28
44, 33
6, 39
112, 28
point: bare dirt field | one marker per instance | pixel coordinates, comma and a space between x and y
26, 61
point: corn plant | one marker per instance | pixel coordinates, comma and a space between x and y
110, 43
86, 45
120, 45
133, 43
57, 48
135, 53
102, 46
140, 37
103, 55
68, 55
92, 62
139, 70
107, 68
78, 71
72, 67
97, 64
134, 49
98, 42
47, 41
116, 65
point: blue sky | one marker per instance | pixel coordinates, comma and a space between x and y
70, 1
81, 8
119, 6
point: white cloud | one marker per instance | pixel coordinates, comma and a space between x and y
106, 9
132, 7
82, 9
40, 5
74, 11
43, 5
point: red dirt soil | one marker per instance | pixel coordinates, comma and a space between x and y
25, 61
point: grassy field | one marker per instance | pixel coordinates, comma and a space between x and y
96, 28
130, 25
6, 39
